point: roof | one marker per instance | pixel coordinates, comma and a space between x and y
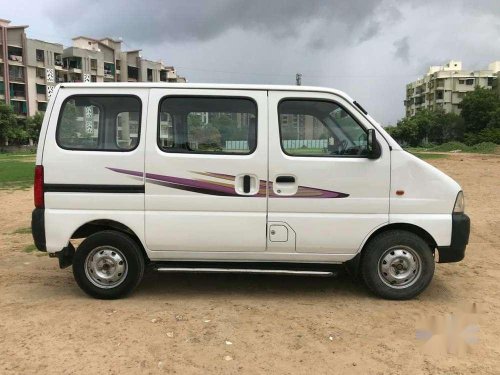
112, 39
217, 86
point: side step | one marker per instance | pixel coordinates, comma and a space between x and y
249, 268
246, 270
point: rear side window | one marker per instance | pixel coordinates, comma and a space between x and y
211, 125
99, 123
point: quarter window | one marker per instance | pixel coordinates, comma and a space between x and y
99, 123
319, 128
214, 125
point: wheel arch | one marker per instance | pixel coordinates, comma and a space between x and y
99, 225
353, 265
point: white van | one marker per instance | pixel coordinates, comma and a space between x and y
236, 178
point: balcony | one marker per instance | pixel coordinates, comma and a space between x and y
60, 77
15, 55
73, 64
16, 74
74, 77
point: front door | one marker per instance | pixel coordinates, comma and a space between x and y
206, 170
323, 189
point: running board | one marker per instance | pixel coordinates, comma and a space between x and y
247, 271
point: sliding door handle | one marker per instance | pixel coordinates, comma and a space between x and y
285, 179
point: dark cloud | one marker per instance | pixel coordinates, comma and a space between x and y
156, 21
370, 32
402, 49
369, 48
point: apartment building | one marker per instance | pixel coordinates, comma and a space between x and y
31, 68
445, 87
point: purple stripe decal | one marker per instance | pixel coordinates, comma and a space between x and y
191, 183
126, 171
217, 188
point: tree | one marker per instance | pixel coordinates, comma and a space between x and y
8, 123
478, 109
33, 126
446, 127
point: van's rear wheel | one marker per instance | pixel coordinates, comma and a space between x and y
108, 265
397, 265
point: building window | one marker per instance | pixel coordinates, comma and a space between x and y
41, 89
469, 82
209, 125
93, 78
40, 55
58, 60
319, 128
99, 123
461, 81
150, 75
93, 64
42, 107
490, 81
440, 95
40, 73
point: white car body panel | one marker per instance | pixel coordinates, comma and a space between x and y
184, 225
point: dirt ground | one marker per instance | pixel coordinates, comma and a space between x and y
203, 324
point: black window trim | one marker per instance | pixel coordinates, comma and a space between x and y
61, 111
250, 152
320, 156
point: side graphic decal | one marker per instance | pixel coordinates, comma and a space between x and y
226, 186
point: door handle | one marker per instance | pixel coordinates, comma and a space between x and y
246, 184
285, 179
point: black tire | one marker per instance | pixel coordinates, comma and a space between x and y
132, 258
386, 247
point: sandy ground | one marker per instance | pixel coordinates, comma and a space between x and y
248, 324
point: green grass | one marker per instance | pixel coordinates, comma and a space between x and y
480, 148
29, 248
16, 171
429, 155
22, 230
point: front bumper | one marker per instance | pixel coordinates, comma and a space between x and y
460, 231
38, 228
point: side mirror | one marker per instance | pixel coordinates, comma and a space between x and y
373, 148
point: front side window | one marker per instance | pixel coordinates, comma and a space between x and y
215, 125
99, 123
319, 128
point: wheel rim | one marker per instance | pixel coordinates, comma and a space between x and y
106, 267
399, 267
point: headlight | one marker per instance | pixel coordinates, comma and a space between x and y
459, 203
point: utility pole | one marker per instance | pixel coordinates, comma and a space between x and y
298, 79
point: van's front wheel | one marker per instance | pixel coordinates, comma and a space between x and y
108, 265
397, 265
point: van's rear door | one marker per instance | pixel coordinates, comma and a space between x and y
206, 170
93, 155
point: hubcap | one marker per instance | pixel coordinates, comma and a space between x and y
399, 267
106, 267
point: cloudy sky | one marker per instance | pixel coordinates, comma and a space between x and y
368, 48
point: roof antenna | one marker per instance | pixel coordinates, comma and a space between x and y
298, 79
